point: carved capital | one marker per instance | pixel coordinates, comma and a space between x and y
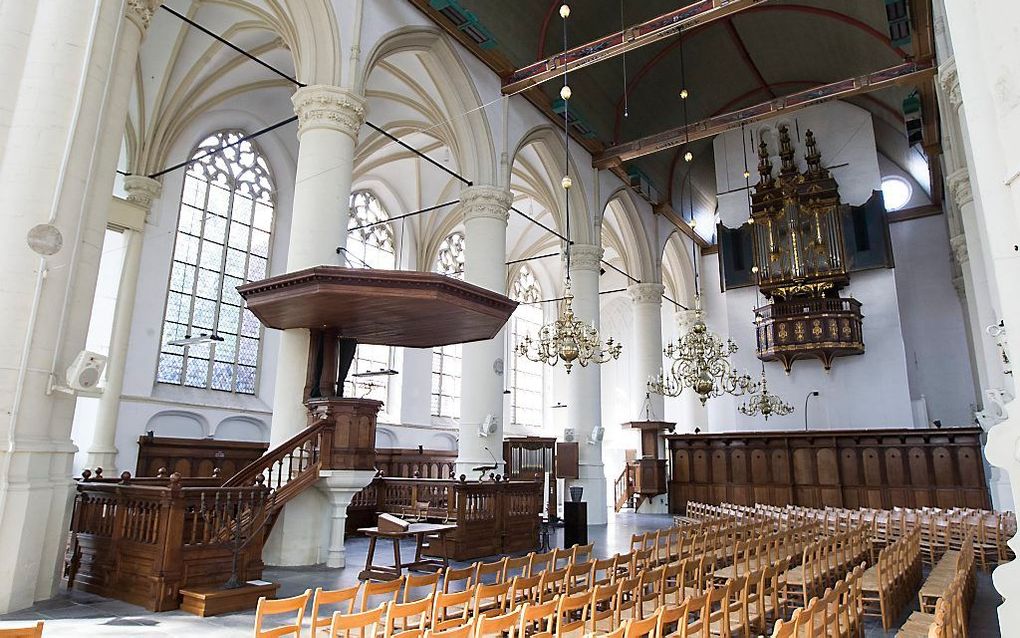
959, 185
646, 293
685, 319
586, 257
140, 12
329, 107
142, 190
949, 79
489, 202
958, 244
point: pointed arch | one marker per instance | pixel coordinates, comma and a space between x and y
624, 234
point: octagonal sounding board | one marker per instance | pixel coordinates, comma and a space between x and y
382, 307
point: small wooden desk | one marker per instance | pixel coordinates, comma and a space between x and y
418, 531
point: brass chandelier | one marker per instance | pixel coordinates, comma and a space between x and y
764, 402
701, 362
568, 339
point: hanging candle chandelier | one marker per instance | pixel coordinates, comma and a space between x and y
701, 362
568, 339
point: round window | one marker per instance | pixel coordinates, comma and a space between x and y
896, 192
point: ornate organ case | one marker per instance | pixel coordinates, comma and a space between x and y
799, 260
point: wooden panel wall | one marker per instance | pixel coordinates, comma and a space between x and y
858, 468
194, 458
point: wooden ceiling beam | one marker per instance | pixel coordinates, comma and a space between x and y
654, 30
919, 73
923, 40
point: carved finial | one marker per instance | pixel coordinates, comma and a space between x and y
764, 166
260, 479
125, 476
786, 151
99, 473
175, 479
86, 474
813, 157
161, 472
463, 478
216, 472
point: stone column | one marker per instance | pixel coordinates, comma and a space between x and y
646, 351
142, 191
60, 106
329, 119
484, 210
584, 385
692, 413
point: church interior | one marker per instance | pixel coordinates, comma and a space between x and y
545, 318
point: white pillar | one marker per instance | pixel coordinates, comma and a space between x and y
646, 351
58, 133
103, 450
339, 487
329, 119
584, 385
692, 413
484, 210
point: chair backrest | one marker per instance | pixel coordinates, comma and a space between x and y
787, 628
452, 609
363, 624
671, 583
561, 556
551, 583
525, 589
644, 627
538, 620
463, 630
295, 605
490, 572
538, 563
504, 626
418, 586
516, 566
491, 600
572, 613
698, 611
622, 565
578, 577
375, 594
34, 631
628, 596
583, 553
603, 604
651, 585
455, 576
618, 632
672, 620
602, 571
344, 598
402, 617
717, 607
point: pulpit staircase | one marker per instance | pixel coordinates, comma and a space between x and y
625, 489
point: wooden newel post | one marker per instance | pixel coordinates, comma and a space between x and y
170, 539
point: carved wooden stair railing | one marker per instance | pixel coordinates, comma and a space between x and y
625, 488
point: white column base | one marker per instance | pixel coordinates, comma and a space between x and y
593, 480
104, 457
658, 504
300, 532
340, 486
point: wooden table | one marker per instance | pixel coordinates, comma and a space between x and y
418, 531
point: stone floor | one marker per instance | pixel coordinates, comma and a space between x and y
75, 613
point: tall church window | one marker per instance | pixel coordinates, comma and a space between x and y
446, 360
223, 240
370, 244
526, 375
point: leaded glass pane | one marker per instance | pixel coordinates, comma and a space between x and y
446, 359
260, 243
218, 203
526, 376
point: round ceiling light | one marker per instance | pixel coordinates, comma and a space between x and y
896, 192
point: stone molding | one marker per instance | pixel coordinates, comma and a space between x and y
321, 106
959, 185
585, 257
485, 202
142, 190
958, 245
650, 293
949, 79
140, 12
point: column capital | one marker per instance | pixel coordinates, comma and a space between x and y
142, 190
685, 319
958, 246
329, 107
959, 185
481, 201
586, 257
949, 79
650, 293
139, 12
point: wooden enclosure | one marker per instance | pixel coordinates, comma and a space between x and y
195, 457
850, 468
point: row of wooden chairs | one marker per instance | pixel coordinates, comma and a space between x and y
837, 613
767, 549
890, 584
949, 619
824, 562
952, 565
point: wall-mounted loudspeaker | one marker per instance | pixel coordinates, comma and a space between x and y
85, 371
487, 426
596, 435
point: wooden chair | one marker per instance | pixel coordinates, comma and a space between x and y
490, 600
463, 630
490, 572
602, 611
524, 589
644, 627
388, 591
628, 595
23, 632
578, 577
504, 626
787, 628
403, 617
418, 586
640, 560
294, 605
551, 583
602, 571
538, 563
572, 614
698, 611
360, 625
651, 590
456, 576
452, 609
672, 585
672, 621
538, 620
344, 598
516, 566
616, 633
562, 556
583, 553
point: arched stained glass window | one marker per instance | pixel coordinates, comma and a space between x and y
526, 380
223, 240
369, 245
446, 359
